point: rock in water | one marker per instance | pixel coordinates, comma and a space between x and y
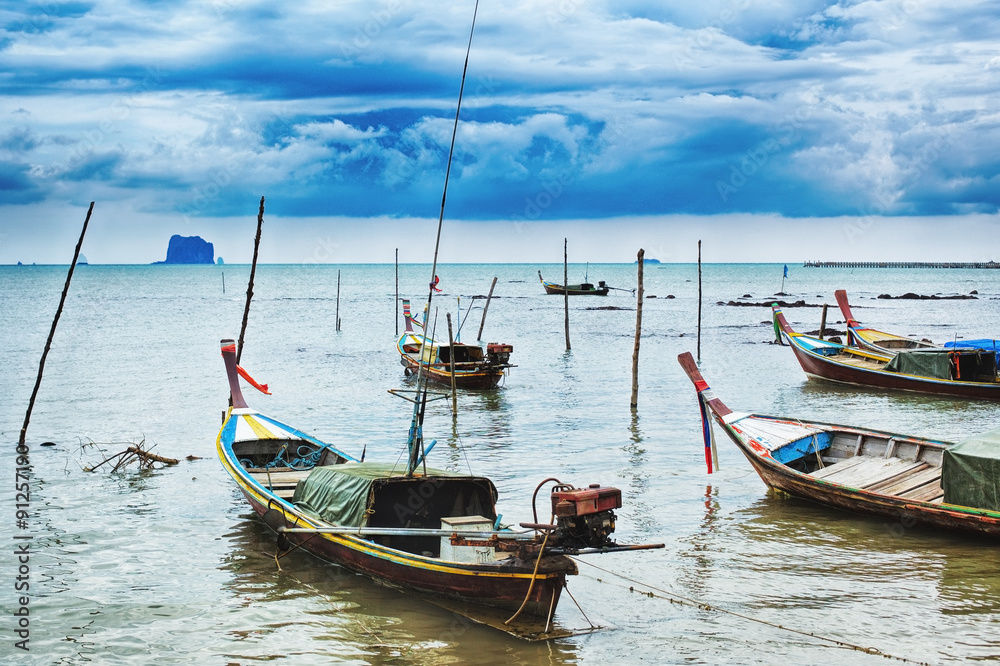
189, 250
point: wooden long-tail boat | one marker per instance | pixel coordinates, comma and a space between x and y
912, 480
582, 289
872, 340
967, 373
475, 366
424, 530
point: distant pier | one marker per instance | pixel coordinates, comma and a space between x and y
901, 264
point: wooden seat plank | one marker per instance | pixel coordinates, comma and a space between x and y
911, 481
826, 472
902, 480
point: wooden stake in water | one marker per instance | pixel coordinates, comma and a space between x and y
486, 307
223, 282
55, 321
566, 287
338, 301
451, 361
638, 334
822, 321
253, 270
699, 303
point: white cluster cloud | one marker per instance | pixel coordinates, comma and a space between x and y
808, 108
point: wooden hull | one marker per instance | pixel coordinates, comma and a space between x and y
905, 512
837, 363
481, 371
502, 585
864, 471
822, 367
872, 340
467, 379
585, 289
574, 290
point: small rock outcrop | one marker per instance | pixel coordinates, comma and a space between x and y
189, 250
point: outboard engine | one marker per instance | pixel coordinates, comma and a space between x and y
585, 516
498, 353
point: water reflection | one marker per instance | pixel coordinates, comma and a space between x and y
313, 609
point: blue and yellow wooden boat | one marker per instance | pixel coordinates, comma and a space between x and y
423, 530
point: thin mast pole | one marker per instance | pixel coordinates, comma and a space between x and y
415, 443
253, 269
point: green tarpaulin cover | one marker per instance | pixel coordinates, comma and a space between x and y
339, 493
970, 472
922, 363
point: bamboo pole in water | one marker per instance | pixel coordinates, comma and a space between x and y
338, 301
822, 321
699, 303
253, 270
638, 334
55, 321
486, 307
451, 361
566, 287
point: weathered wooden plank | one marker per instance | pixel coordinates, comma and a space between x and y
276, 478
833, 469
914, 479
924, 493
877, 469
910, 467
285, 493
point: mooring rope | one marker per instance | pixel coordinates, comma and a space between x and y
673, 598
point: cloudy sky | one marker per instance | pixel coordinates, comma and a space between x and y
776, 130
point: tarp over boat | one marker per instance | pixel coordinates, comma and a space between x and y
970, 472
378, 494
938, 363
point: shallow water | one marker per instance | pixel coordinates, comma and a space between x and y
170, 566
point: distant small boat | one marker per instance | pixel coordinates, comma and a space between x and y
582, 289
967, 373
877, 341
911, 480
475, 366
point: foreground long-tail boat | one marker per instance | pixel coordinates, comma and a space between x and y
967, 373
872, 340
474, 367
912, 480
582, 289
424, 530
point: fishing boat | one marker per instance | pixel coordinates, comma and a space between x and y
872, 340
414, 527
890, 343
912, 480
479, 366
582, 289
967, 373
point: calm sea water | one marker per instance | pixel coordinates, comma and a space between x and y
171, 567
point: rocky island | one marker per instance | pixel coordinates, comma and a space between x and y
189, 250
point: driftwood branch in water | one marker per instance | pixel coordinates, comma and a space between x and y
132, 453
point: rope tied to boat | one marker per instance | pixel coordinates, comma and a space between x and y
677, 599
